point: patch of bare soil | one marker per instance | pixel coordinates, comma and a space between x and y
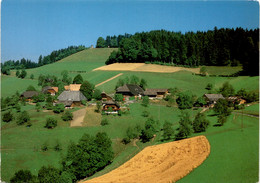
78, 117
141, 67
109, 79
162, 163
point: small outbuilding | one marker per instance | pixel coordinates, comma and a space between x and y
156, 93
50, 90
105, 97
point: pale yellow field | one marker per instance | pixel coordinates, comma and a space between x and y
162, 163
141, 67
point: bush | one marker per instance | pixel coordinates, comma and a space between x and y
7, 117
145, 102
22, 118
120, 113
84, 102
119, 97
167, 130
45, 146
145, 114
67, 116
23, 176
38, 107
57, 147
104, 122
126, 140
58, 108
50, 123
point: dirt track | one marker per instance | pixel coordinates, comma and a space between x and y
78, 117
109, 79
162, 163
141, 67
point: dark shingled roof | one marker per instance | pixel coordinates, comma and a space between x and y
214, 97
75, 96
132, 88
154, 91
29, 94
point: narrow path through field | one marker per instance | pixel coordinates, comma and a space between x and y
78, 117
109, 79
245, 114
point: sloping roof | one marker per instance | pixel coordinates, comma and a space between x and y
72, 87
71, 96
66, 103
29, 94
123, 89
56, 89
46, 88
155, 91
132, 88
214, 97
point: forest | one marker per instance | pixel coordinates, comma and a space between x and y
218, 47
55, 56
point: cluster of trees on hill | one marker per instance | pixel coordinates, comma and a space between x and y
111, 41
27, 64
219, 47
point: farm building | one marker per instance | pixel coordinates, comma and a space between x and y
28, 95
236, 99
110, 104
105, 97
211, 99
72, 87
156, 93
130, 90
50, 90
71, 98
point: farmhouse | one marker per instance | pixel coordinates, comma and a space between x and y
28, 95
71, 98
105, 97
156, 93
50, 90
110, 104
130, 90
72, 87
211, 99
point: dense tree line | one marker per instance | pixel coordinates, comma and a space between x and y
111, 41
27, 64
219, 47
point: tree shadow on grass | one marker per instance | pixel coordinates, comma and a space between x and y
212, 115
217, 125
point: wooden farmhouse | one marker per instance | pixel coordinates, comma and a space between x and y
50, 90
28, 95
71, 98
110, 104
129, 90
105, 97
72, 87
156, 93
211, 99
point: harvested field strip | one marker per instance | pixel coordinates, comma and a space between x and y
167, 162
109, 79
141, 67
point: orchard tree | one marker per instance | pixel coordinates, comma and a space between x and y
17, 73
22, 118
78, 79
23, 74
67, 116
221, 107
167, 130
50, 123
7, 116
185, 126
87, 89
200, 123
184, 101
145, 101
31, 76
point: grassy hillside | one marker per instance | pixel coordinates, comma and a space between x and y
186, 81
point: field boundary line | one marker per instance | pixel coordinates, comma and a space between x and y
109, 79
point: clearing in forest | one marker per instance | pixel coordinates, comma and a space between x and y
162, 163
142, 67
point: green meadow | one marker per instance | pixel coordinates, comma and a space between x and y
234, 150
